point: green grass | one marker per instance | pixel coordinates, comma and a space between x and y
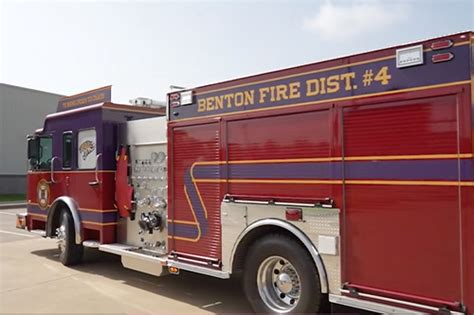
12, 197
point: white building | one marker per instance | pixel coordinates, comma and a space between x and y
22, 111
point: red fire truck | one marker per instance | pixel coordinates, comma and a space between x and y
345, 182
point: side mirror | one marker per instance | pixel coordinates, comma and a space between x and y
33, 163
33, 149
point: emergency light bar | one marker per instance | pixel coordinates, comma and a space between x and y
181, 98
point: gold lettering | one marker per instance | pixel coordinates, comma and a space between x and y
228, 98
219, 102
322, 81
272, 94
263, 93
312, 87
209, 104
294, 90
202, 105
239, 99
348, 77
281, 92
333, 84
249, 97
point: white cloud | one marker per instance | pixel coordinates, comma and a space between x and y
339, 20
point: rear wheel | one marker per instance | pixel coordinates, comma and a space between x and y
69, 252
280, 277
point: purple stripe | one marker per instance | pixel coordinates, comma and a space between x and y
183, 230
101, 217
287, 170
443, 169
36, 210
195, 202
403, 170
97, 217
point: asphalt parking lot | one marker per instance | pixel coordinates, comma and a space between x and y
32, 280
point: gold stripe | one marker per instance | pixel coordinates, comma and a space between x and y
209, 162
69, 172
312, 71
349, 158
156, 112
96, 223
328, 159
410, 157
285, 181
211, 180
97, 210
330, 182
37, 215
182, 222
426, 87
408, 183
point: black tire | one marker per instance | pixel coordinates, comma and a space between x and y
309, 299
70, 253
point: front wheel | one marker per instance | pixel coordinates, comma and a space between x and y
70, 253
280, 277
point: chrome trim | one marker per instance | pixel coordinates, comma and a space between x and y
97, 181
296, 204
390, 300
368, 305
199, 269
204, 258
73, 208
199, 262
150, 143
91, 244
258, 202
52, 169
296, 232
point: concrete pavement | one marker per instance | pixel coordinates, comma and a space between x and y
32, 280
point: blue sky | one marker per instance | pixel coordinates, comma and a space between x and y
142, 48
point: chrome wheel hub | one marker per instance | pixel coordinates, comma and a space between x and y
61, 236
278, 284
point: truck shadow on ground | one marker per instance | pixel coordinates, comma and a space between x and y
207, 293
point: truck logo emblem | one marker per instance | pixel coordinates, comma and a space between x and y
43, 194
86, 148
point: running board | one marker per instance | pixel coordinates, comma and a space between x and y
383, 308
41, 233
139, 261
91, 244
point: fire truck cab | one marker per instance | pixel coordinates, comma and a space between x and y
345, 182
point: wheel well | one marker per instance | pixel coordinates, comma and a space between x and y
252, 237
57, 209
